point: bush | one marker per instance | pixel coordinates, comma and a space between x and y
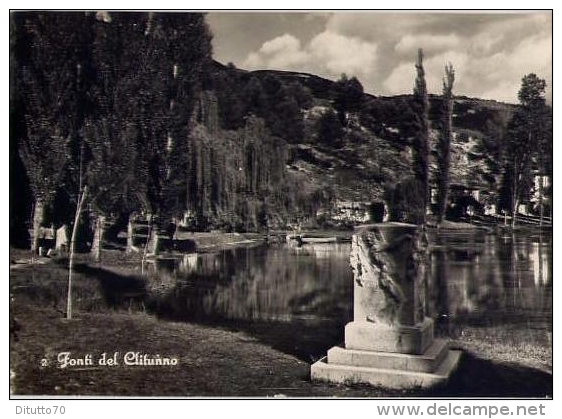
329, 130
406, 201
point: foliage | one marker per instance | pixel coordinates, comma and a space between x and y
444, 142
389, 119
528, 136
115, 171
405, 201
278, 104
52, 75
329, 130
420, 145
349, 97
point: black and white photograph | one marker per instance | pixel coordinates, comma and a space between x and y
281, 204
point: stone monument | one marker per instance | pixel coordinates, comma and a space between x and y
390, 341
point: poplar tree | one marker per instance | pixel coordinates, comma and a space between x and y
53, 75
421, 139
444, 142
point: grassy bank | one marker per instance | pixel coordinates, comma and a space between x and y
214, 360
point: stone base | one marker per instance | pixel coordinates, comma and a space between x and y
391, 370
402, 339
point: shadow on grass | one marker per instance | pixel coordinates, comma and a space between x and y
474, 377
477, 377
119, 291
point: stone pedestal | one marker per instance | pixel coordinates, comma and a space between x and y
390, 341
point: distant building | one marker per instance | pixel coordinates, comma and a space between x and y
351, 211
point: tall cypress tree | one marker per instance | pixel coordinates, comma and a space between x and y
444, 142
421, 138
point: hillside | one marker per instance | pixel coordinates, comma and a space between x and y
374, 148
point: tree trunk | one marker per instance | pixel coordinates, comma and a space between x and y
129, 235
38, 213
71, 257
514, 198
542, 280
153, 243
97, 242
541, 205
149, 242
156, 242
515, 208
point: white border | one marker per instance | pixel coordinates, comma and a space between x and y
271, 409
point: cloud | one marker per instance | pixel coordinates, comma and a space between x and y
489, 76
281, 43
401, 79
341, 54
283, 53
409, 44
501, 73
490, 52
328, 53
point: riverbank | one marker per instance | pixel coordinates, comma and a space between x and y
213, 241
213, 360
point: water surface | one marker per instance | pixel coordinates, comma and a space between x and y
299, 299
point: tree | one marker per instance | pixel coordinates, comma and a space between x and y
420, 144
186, 41
518, 151
527, 139
349, 97
545, 162
444, 142
405, 201
531, 93
147, 72
20, 196
53, 70
115, 170
81, 199
231, 106
539, 125
158, 86
301, 94
491, 145
281, 112
329, 130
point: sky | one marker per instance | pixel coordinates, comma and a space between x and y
490, 52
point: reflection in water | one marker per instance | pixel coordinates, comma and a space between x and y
492, 280
275, 283
188, 263
476, 279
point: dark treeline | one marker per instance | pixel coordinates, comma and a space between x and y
126, 103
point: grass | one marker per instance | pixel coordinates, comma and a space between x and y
528, 347
215, 360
